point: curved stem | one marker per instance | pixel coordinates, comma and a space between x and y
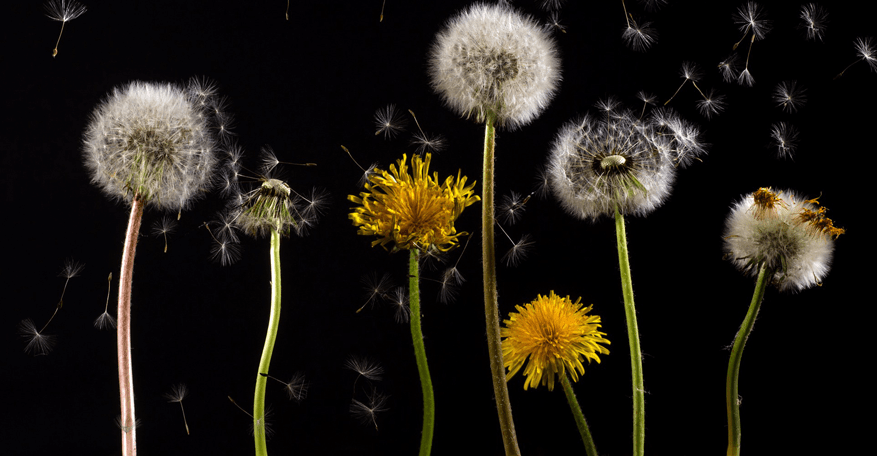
590, 449
420, 354
491, 306
731, 396
259, 427
127, 419
636, 361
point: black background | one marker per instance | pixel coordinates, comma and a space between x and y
310, 84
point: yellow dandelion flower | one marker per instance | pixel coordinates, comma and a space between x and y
556, 334
412, 211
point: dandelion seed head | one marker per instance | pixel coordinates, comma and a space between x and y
412, 210
71, 268
518, 252
598, 163
492, 60
366, 412
105, 321
711, 105
551, 336
178, 393
399, 299
427, 144
787, 233
745, 78
152, 141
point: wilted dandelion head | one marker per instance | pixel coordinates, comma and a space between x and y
791, 236
151, 141
269, 207
619, 160
555, 335
412, 210
492, 60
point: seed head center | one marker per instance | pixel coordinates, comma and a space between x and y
612, 161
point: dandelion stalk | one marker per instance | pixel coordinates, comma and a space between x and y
581, 423
636, 362
268, 349
123, 333
420, 354
731, 401
491, 305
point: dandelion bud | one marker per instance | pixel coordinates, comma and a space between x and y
151, 141
490, 59
788, 234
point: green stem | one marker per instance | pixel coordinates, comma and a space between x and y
590, 449
636, 361
731, 396
127, 420
420, 354
264, 363
491, 306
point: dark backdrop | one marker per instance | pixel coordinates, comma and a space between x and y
310, 84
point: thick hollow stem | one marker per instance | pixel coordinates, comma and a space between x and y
420, 354
636, 361
590, 449
731, 396
127, 419
259, 426
491, 306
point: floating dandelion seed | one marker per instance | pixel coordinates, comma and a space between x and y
426, 143
689, 72
814, 18
389, 121
639, 36
399, 299
376, 289
785, 139
728, 67
37, 342
262, 425
177, 394
552, 336
63, 11
164, 227
750, 18
366, 173
364, 367
554, 22
711, 104
865, 49
789, 96
296, 388
366, 412
452, 278
512, 207
105, 320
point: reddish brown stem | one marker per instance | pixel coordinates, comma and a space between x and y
127, 421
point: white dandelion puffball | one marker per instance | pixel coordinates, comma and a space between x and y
153, 141
788, 234
598, 164
492, 59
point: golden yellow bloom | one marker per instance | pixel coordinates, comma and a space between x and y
412, 211
555, 334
